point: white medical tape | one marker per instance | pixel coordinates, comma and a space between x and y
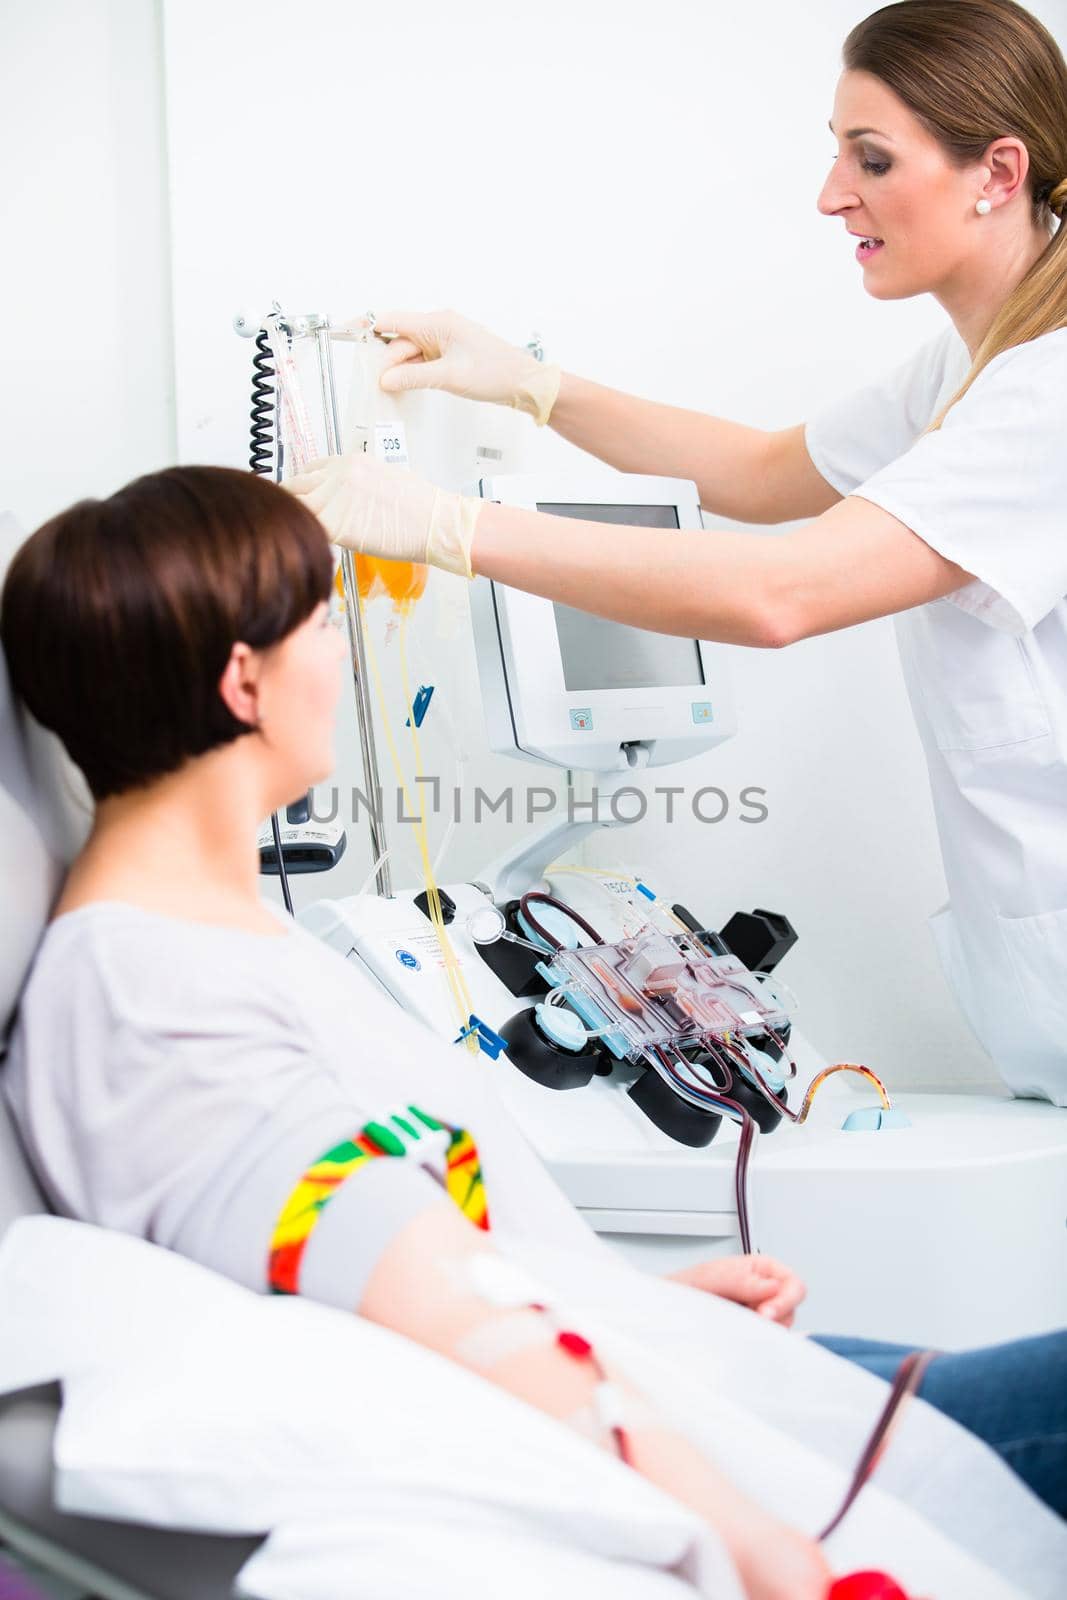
610, 1405
501, 1282
612, 1408
503, 1337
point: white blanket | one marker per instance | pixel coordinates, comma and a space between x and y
381, 1470
378, 1469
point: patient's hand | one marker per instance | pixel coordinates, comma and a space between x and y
782, 1564
758, 1282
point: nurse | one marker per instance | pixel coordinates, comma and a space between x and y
937, 494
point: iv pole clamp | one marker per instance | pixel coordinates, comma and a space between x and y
317, 327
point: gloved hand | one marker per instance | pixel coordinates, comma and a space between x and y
442, 350
386, 511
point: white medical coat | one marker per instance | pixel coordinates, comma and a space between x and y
986, 667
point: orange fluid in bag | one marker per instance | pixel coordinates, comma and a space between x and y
402, 581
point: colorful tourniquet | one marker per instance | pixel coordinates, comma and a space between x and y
399, 1134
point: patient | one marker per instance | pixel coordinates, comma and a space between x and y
193, 1068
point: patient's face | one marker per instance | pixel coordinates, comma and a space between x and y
298, 695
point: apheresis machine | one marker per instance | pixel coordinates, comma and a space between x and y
651, 1058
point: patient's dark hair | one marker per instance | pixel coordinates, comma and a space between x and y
118, 616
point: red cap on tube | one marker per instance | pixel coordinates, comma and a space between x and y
866, 1586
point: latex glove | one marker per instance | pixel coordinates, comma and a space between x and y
386, 511
442, 350
758, 1282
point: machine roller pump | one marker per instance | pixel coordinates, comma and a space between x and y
547, 1044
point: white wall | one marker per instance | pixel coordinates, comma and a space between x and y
638, 184
86, 400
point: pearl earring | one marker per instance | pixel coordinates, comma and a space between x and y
983, 207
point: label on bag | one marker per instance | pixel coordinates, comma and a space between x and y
390, 443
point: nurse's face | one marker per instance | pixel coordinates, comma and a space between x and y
891, 182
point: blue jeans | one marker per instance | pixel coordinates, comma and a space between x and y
1013, 1396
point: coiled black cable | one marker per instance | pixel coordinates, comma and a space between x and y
261, 460
261, 457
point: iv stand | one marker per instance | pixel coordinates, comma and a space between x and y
356, 643
317, 326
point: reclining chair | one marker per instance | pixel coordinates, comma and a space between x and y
44, 814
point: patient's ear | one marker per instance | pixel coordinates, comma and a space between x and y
239, 684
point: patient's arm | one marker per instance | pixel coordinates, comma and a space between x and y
423, 1286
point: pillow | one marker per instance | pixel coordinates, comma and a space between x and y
191, 1402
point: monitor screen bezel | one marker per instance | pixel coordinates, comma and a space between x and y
541, 708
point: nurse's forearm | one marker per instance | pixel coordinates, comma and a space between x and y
728, 462
701, 585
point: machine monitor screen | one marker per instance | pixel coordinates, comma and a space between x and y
598, 654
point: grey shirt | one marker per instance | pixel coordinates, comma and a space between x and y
174, 1079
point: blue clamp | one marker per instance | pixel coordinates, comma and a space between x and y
641, 889
420, 705
870, 1119
488, 1041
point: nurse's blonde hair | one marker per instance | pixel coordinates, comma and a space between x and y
973, 71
